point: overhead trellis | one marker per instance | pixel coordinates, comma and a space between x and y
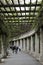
20, 10
17, 12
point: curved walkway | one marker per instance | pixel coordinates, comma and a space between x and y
20, 59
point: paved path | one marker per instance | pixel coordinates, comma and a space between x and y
20, 59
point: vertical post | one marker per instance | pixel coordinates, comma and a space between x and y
17, 43
41, 45
27, 44
23, 44
36, 46
14, 43
31, 44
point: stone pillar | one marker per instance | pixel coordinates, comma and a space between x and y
41, 45
14, 43
31, 44
36, 46
27, 44
23, 44
17, 43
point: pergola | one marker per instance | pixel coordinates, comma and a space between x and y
22, 13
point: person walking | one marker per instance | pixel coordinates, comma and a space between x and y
16, 50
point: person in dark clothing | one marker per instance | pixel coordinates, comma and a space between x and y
16, 49
13, 48
19, 49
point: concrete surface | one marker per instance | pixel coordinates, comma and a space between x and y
20, 59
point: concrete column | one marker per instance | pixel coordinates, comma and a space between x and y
36, 46
41, 45
31, 44
14, 43
27, 44
23, 44
17, 43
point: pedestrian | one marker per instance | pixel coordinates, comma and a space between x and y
19, 48
16, 49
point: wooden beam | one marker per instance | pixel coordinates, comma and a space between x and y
26, 5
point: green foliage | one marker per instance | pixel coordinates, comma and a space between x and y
4, 28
